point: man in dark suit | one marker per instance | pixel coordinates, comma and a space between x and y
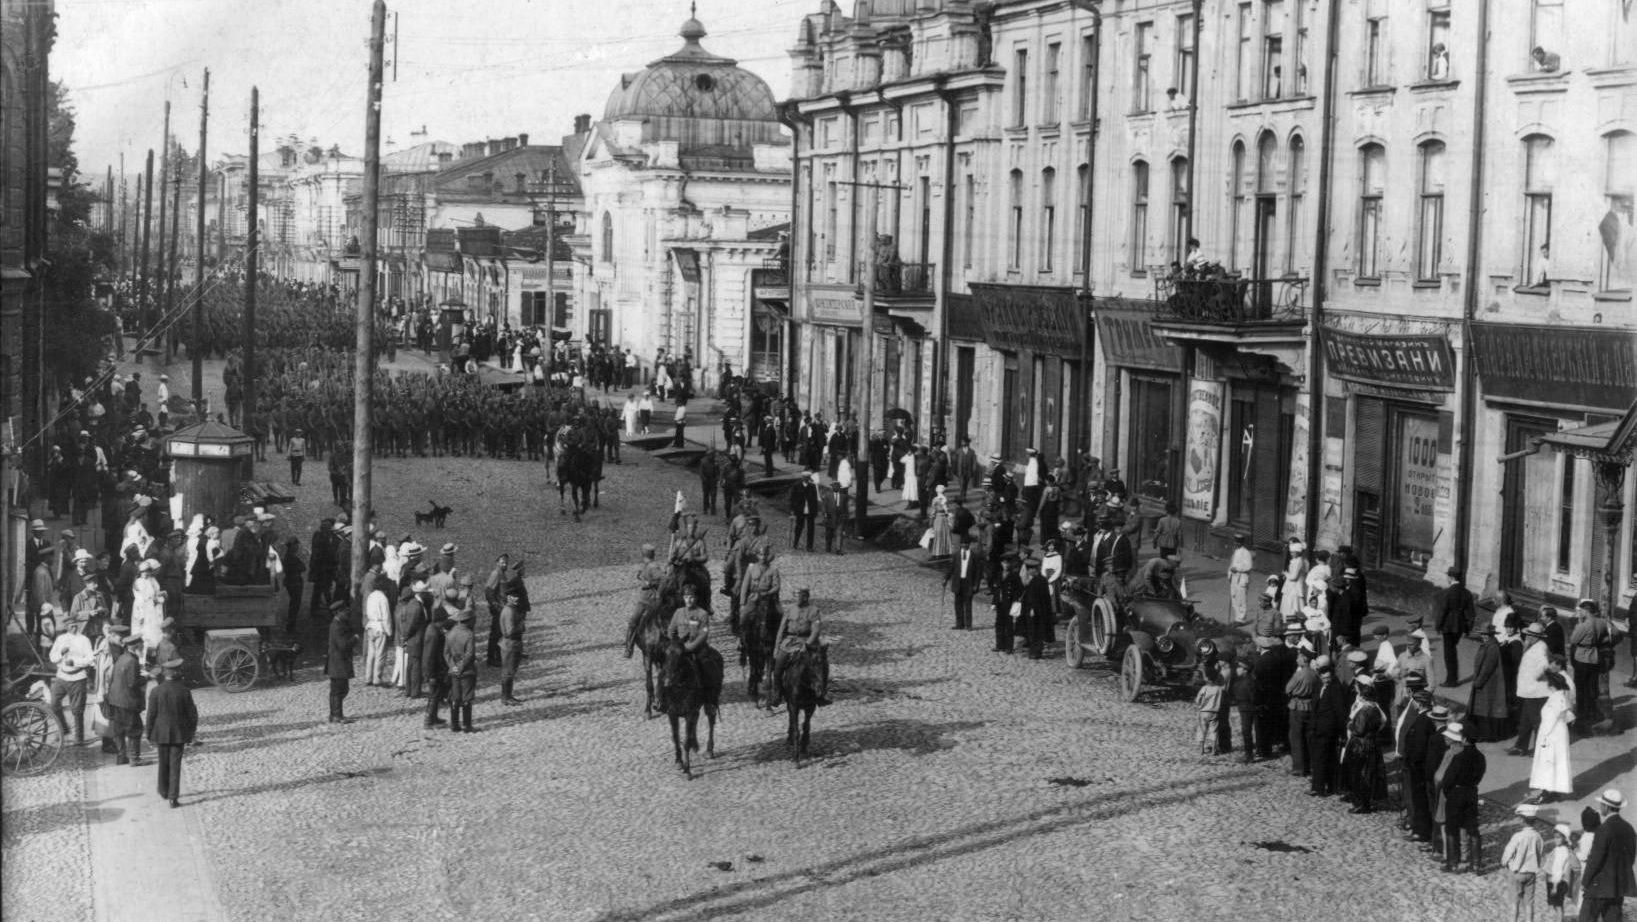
1038, 622
338, 659
125, 697
1608, 875
1422, 724
804, 508
709, 471
1271, 670
1453, 612
964, 576
768, 439
1328, 724
410, 616
172, 721
1005, 592
830, 511
433, 665
1456, 780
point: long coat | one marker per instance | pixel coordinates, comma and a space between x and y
1608, 874
172, 717
338, 661
1488, 698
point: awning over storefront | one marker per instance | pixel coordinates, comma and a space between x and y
1560, 366
1030, 317
1128, 339
1613, 441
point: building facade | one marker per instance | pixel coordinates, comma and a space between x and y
685, 179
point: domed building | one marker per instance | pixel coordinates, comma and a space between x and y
687, 196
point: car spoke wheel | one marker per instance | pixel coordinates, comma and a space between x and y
1073, 650
1131, 673
1105, 628
30, 738
234, 669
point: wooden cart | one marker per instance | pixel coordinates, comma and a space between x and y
235, 626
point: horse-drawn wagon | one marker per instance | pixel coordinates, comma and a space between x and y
1158, 642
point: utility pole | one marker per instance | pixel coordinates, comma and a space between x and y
124, 206
170, 273
159, 252
867, 369
146, 230
363, 383
252, 242
196, 342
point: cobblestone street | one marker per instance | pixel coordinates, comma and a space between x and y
947, 781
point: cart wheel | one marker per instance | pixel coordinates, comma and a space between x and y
1131, 673
1072, 649
1105, 628
32, 738
234, 669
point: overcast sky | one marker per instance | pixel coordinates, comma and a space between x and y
467, 69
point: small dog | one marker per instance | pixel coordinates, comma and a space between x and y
281, 659
436, 518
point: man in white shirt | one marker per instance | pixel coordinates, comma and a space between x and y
1033, 486
377, 629
1531, 690
681, 424
1522, 861
1239, 569
72, 654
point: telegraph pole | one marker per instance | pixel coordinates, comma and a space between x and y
170, 274
196, 343
159, 251
364, 364
861, 472
252, 241
146, 230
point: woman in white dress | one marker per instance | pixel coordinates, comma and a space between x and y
1293, 595
147, 607
136, 533
912, 479
629, 414
1552, 774
942, 534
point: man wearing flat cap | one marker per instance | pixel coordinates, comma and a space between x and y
125, 698
1007, 595
460, 655
649, 577
1037, 621
173, 719
1456, 780
1591, 640
71, 653
1331, 706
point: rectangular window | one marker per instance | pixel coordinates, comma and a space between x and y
1242, 61
832, 195
1429, 254
1048, 218
1375, 52
1141, 87
1539, 179
1373, 162
1054, 55
1237, 217
1182, 79
1082, 179
1139, 218
1615, 227
968, 220
1438, 45
1298, 194
1273, 49
1179, 209
1020, 88
923, 233
1088, 74
1014, 229
534, 306
1620, 52
1565, 516
1298, 48
1546, 28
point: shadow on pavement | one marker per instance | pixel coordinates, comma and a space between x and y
274, 786
767, 892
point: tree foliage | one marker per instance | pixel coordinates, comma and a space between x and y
75, 327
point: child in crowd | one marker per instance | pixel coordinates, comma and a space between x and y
1562, 871
1209, 704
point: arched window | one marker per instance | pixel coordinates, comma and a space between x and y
1139, 217
1372, 183
1267, 155
1429, 224
1615, 228
1236, 192
1298, 196
1179, 208
1048, 217
1082, 176
1539, 178
608, 237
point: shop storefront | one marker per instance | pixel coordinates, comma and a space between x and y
831, 336
1039, 336
1389, 446
967, 354
1150, 403
1544, 537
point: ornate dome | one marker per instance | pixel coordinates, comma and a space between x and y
692, 83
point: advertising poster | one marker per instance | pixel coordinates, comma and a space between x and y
1296, 493
1417, 488
1204, 444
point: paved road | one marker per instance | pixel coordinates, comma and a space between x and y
947, 782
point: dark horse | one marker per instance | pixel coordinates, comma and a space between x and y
651, 628
689, 683
578, 470
756, 648
799, 687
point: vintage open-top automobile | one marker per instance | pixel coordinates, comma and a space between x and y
1158, 642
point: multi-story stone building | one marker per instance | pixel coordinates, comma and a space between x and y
686, 180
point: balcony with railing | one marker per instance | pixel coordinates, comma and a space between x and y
896, 280
1231, 300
